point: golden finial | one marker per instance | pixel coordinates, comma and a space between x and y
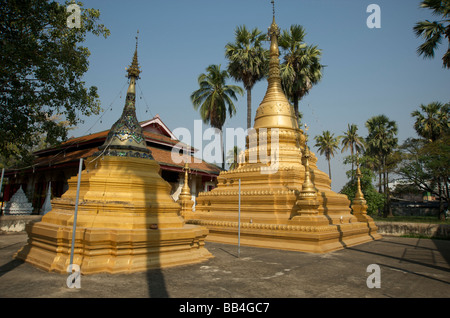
273, 29
275, 110
133, 70
186, 191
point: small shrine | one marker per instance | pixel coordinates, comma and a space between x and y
18, 205
185, 197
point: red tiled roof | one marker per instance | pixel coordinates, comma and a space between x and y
68, 152
101, 137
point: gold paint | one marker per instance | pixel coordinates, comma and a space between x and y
359, 206
185, 199
275, 110
286, 201
126, 222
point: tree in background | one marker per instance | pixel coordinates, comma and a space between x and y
380, 143
434, 31
426, 161
327, 144
248, 61
301, 68
215, 98
42, 63
432, 120
351, 140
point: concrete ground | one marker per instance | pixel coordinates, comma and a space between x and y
408, 268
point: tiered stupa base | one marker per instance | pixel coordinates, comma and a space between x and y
284, 233
272, 215
126, 222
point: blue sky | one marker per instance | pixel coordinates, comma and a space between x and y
368, 71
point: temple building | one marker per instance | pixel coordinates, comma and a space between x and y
277, 197
118, 215
58, 164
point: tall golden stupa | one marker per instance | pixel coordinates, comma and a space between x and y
127, 221
285, 201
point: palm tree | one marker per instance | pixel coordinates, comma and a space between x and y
214, 99
351, 140
327, 144
431, 125
380, 143
433, 121
301, 68
433, 32
247, 61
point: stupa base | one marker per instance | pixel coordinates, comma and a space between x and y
321, 239
114, 251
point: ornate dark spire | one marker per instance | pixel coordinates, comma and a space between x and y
126, 138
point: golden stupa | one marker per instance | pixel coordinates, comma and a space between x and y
185, 198
127, 221
285, 201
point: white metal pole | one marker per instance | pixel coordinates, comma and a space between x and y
239, 222
76, 211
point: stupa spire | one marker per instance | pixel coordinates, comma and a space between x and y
126, 137
275, 110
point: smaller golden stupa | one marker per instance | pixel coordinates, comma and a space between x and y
185, 197
127, 221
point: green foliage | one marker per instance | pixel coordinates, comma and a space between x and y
327, 144
426, 165
426, 161
248, 61
215, 98
381, 139
42, 65
434, 31
351, 140
432, 120
301, 68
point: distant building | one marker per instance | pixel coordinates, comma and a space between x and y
58, 164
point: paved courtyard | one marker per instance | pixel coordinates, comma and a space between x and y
408, 268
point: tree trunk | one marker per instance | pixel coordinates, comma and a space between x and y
353, 172
388, 197
249, 108
441, 215
296, 106
379, 179
383, 173
223, 150
329, 168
